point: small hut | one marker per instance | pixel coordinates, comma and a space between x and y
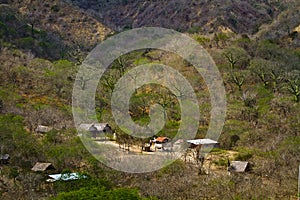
43, 129
238, 166
161, 142
4, 159
96, 129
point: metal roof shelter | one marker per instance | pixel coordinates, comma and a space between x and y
40, 167
98, 126
238, 166
202, 141
96, 129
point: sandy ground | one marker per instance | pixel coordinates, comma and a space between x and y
189, 158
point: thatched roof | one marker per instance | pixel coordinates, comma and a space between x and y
238, 166
42, 167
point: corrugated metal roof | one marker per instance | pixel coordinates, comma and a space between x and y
99, 126
202, 141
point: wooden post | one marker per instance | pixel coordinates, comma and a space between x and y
299, 184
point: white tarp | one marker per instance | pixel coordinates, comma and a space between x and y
202, 141
65, 177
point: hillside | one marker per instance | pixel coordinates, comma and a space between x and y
206, 16
255, 45
285, 27
76, 30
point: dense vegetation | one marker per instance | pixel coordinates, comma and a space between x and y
262, 80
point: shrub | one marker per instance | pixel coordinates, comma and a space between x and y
244, 154
26, 42
55, 8
201, 39
176, 167
221, 162
13, 173
101, 193
70, 186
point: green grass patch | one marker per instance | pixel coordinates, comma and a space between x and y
244, 154
263, 102
140, 61
217, 151
221, 162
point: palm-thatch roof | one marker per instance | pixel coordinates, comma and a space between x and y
40, 167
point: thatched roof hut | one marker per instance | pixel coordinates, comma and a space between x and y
40, 167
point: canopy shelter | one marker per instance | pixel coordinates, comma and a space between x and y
238, 166
203, 143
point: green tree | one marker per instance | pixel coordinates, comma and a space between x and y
221, 38
276, 76
236, 57
261, 68
61, 76
238, 78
